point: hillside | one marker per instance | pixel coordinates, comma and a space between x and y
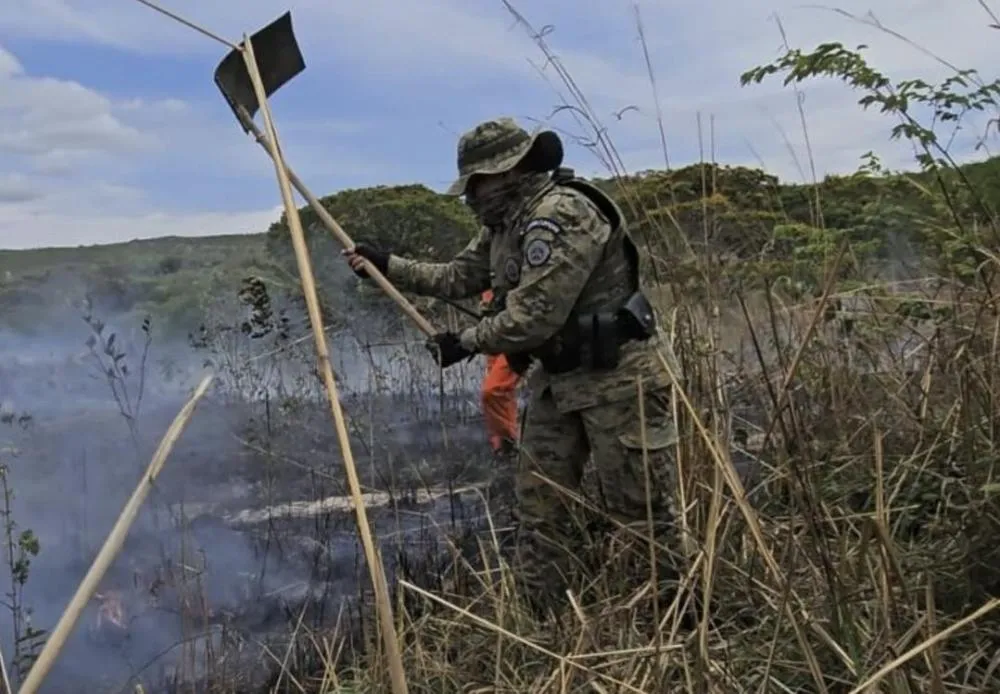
169, 278
732, 212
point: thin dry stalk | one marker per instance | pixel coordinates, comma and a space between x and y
112, 546
283, 671
650, 526
191, 25
934, 652
382, 600
7, 689
927, 644
799, 100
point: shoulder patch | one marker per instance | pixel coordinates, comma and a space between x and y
512, 270
537, 252
544, 223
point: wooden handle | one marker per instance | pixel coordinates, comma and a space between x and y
383, 604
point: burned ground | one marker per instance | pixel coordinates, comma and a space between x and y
248, 524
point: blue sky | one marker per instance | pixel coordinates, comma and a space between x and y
111, 127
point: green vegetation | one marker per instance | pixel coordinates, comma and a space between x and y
411, 220
171, 278
772, 228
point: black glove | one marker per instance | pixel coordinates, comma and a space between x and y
447, 349
379, 259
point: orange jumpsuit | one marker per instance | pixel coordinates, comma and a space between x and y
499, 396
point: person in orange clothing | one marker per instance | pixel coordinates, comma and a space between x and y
499, 399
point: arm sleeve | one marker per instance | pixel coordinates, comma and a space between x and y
562, 244
465, 275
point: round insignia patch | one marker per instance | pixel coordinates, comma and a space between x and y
537, 252
512, 270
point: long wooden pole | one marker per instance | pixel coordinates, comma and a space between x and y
382, 601
112, 546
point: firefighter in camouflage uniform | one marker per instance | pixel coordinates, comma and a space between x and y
564, 272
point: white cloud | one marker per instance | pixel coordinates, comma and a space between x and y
9, 65
710, 44
41, 115
66, 154
168, 107
69, 139
22, 226
698, 53
16, 188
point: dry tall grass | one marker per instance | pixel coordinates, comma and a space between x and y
863, 560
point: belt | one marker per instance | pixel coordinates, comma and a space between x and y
572, 359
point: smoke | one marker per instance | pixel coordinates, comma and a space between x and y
81, 414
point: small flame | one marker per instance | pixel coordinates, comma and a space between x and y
111, 609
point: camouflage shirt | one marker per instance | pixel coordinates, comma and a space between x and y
555, 254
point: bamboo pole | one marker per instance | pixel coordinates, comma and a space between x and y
112, 546
382, 601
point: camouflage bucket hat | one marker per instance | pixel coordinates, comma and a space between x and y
497, 146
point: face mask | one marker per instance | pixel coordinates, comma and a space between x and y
492, 204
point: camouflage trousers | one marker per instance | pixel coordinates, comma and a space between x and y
562, 545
